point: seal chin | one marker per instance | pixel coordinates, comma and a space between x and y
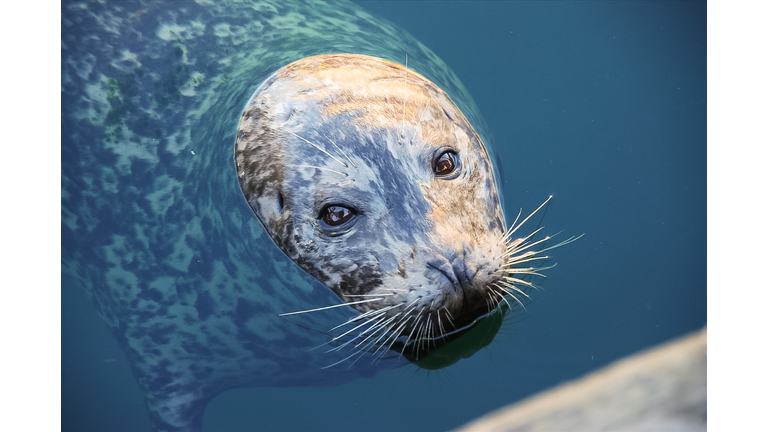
449, 349
452, 336
425, 317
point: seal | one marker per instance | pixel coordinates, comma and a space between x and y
385, 202
368, 176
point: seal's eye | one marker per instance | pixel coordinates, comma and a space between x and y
446, 164
336, 215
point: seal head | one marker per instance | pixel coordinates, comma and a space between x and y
368, 176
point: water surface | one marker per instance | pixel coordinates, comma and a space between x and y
601, 104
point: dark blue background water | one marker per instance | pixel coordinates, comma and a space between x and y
601, 104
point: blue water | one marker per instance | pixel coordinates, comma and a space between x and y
601, 104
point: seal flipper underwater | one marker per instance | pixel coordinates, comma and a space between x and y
154, 224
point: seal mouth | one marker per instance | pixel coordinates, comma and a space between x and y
430, 331
469, 317
464, 305
436, 352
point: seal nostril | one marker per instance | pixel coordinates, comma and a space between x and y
443, 266
279, 203
462, 274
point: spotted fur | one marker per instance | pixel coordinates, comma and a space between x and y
154, 225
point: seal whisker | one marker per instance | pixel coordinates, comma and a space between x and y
507, 268
519, 244
518, 247
396, 333
389, 333
405, 314
532, 270
429, 333
321, 168
524, 259
502, 296
382, 345
426, 335
491, 300
344, 183
411, 334
340, 150
343, 345
440, 324
517, 260
384, 334
370, 319
435, 336
513, 280
421, 118
366, 345
508, 292
417, 337
508, 287
356, 318
401, 324
374, 329
362, 352
341, 361
508, 232
418, 340
322, 345
318, 147
385, 327
450, 317
380, 312
429, 328
331, 307
498, 299
407, 311
405, 98
515, 227
526, 271
373, 323
563, 243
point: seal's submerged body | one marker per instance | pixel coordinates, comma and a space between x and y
389, 201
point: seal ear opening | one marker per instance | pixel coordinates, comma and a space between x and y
279, 202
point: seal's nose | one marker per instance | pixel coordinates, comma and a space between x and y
442, 265
459, 266
463, 269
